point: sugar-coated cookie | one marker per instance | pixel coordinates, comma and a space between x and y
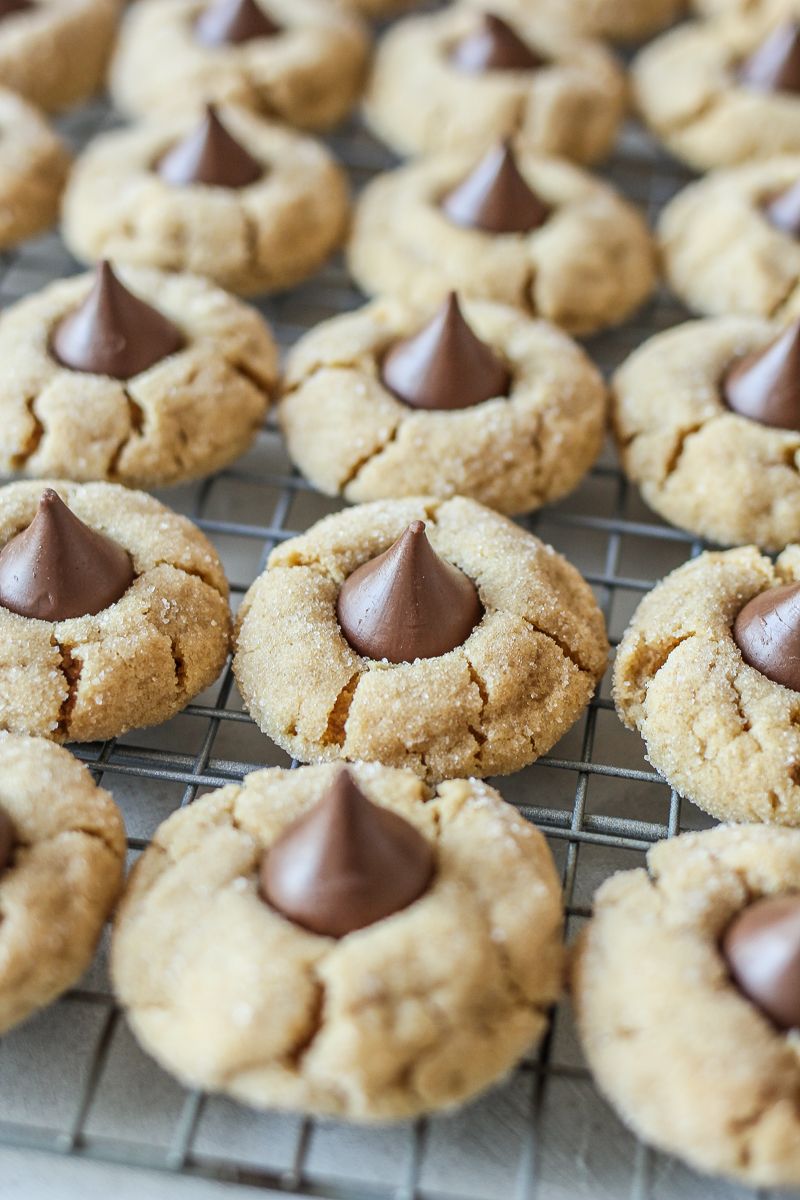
33, 169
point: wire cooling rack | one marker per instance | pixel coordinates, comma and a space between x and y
73, 1082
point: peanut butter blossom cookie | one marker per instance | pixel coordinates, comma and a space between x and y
687, 987
419, 633
33, 169
54, 52
113, 611
463, 79
137, 376
299, 61
723, 91
231, 196
707, 418
731, 242
478, 401
510, 226
62, 849
709, 673
341, 943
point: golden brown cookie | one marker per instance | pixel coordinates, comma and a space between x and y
688, 1061
488, 707
138, 660
419, 100
62, 871
309, 74
415, 1012
351, 436
33, 169
259, 237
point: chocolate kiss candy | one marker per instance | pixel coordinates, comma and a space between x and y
762, 949
444, 366
228, 22
495, 197
784, 211
408, 603
8, 839
209, 155
9, 7
767, 631
345, 864
114, 332
59, 568
775, 65
494, 46
765, 385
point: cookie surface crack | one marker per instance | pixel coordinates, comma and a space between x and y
561, 645
335, 731
136, 423
71, 668
364, 461
683, 436
31, 445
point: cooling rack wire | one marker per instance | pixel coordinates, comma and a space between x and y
73, 1082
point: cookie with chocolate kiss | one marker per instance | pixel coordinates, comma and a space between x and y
59, 568
767, 632
495, 197
765, 385
762, 949
408, 603
209, 155
445, 365
345, 864
494, 46
231, 22
775, 65
783, 211
114, 332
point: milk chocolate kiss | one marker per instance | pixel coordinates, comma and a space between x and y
444, 366
59, 568
346, 864
114, 332
495, 197
494, 46
783, 211
229, 22
209, 155
767, 632
775, 65
9, 7
8, 840
408, 603
765, 385
762, 949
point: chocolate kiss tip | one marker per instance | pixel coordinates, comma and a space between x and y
346, 864
113, 332
59, 567
408, 603
495, 197
209, 155
494, 46
8, 837
775, 65
445, 365
229, 22
767, 632
762, 949
783, 211
765, 385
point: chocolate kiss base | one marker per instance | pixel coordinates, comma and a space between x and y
59, 568
209, 155
775, 65
767, 632
765, 385
762, 949
495, 197
408, 603
346, 864
494, 46
230, 22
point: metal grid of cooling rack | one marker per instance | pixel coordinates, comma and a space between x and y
73, 1083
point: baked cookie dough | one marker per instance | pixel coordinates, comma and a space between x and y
420, 101
33, 169
686, 1059
351, 436
309, 74
60, 878
619, 20
488, 707
700, 465
55, 53
139, 660
416, 1012
588, 265
188, 415
720, 731
262, 237
688, 87
721, 251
